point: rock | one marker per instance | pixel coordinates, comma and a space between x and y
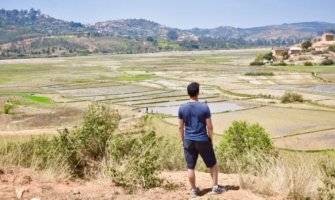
35, 198
23, 180
75, 192
19, 192
2, 171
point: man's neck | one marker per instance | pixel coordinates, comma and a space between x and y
193, 99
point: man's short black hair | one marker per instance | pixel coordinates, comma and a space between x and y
193, 89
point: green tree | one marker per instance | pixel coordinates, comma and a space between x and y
285, 55
306, 44
172, 35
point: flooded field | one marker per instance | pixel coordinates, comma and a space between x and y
156, 83
172, 109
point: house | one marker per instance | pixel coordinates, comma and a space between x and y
294, 50
328, 37
278, 52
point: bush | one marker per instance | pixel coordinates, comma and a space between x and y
285, 55
327, 61
256, 63
132, 161
281, 63
99, 124
308, 63
239, 139
290, 97
306, 44
8, 106
331, 48
261, 57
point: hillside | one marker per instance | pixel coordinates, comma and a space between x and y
294, 31
30, 33
17, 25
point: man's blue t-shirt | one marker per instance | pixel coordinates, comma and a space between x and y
194, 115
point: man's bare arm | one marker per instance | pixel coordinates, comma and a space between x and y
210, 128
181, 129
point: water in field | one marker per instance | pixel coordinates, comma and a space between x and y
215, 107
324, 88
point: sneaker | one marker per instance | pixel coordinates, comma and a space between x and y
195, 192
218, 189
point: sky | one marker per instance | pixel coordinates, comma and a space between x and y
185, 14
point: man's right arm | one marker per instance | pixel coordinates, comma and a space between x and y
210, 128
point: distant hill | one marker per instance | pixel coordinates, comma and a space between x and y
294, 31
18, 25
30, 33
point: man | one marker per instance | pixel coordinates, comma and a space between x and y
196, 131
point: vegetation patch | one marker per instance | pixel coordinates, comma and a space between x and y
92, 149
327, 61
281, 63
308, 63
38, 99
259, 74
290, 97
262, 59
240, 139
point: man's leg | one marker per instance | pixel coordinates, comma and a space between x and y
214, 174
191, 156
191, 177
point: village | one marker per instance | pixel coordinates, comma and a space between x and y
317, 51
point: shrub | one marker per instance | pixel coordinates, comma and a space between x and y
261, 57
99, 124
8, 106
259, 74
290, 97
256, 63
327, 61
308, 63
239, 139
331, 48
306, 44
132, 161
285, 55
281, 63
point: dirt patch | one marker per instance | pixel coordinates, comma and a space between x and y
29, 184
42, 119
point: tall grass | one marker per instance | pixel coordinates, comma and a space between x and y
246, 149
292, 175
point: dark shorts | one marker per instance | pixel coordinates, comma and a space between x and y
192, 149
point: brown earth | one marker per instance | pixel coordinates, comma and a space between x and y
29, 184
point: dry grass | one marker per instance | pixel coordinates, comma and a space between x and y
293, 175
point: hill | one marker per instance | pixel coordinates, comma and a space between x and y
17, 25
294, 31
30, 33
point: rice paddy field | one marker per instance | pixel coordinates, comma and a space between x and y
52, 93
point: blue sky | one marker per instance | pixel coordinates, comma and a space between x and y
185, 13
